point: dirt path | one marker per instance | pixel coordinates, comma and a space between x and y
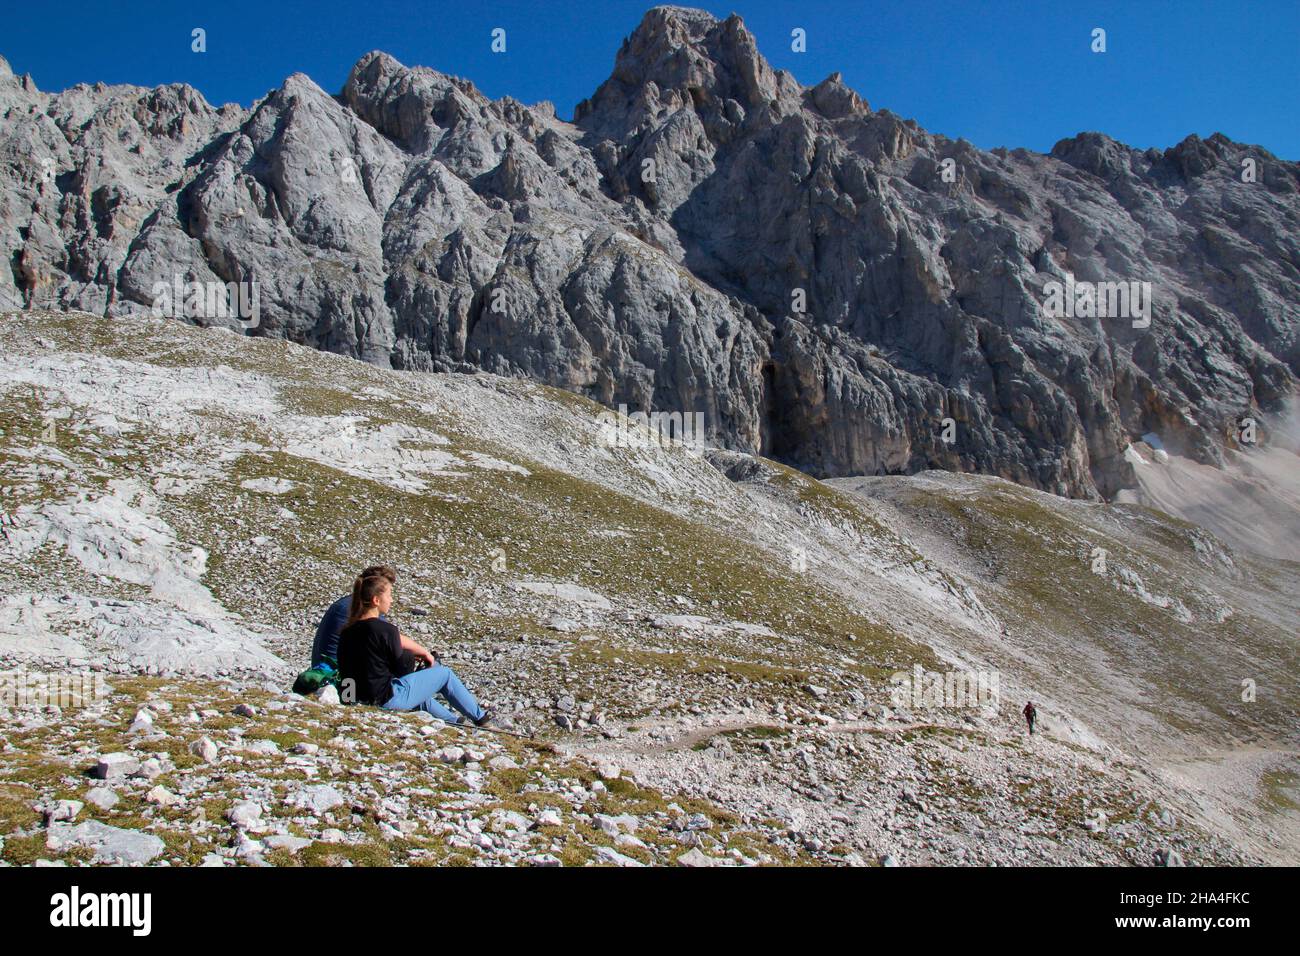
1258, 781
642, 745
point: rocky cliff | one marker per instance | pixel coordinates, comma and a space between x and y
829, 284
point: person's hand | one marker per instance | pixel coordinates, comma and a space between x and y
428, 658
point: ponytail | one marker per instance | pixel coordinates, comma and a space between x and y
364, 591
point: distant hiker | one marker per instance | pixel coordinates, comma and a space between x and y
325, 647
380, 662
1031, 714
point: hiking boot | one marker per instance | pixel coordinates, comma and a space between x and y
487, 718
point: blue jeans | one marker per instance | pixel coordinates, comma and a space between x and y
415, 692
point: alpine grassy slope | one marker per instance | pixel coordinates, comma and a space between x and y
701, 641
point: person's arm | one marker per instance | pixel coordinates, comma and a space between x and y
419, 650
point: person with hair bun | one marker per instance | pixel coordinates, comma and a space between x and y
378, 664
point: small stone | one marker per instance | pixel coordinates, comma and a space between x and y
1097, 822
506, 821
283, 841
103, 797
608, 771
205, 749
611, 856
333, 835
696, 858
63, 810
888, 860
305, 749
249, 850
316, 799
502, 762
245, 814
245, 710
549, 818
1167, 856
163, 797
815, 690
116, 766
328, 695
111, 844
623, 823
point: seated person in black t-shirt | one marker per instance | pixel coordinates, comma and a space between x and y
377, 662
325, 646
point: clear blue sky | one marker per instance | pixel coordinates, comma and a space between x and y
999, 73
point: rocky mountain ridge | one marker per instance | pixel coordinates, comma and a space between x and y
830, 285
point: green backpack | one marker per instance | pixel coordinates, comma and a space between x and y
314, 678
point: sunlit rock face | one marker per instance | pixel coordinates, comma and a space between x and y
827, 284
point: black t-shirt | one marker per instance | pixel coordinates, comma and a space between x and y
370, 653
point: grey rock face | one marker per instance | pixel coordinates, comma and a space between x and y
828, 284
